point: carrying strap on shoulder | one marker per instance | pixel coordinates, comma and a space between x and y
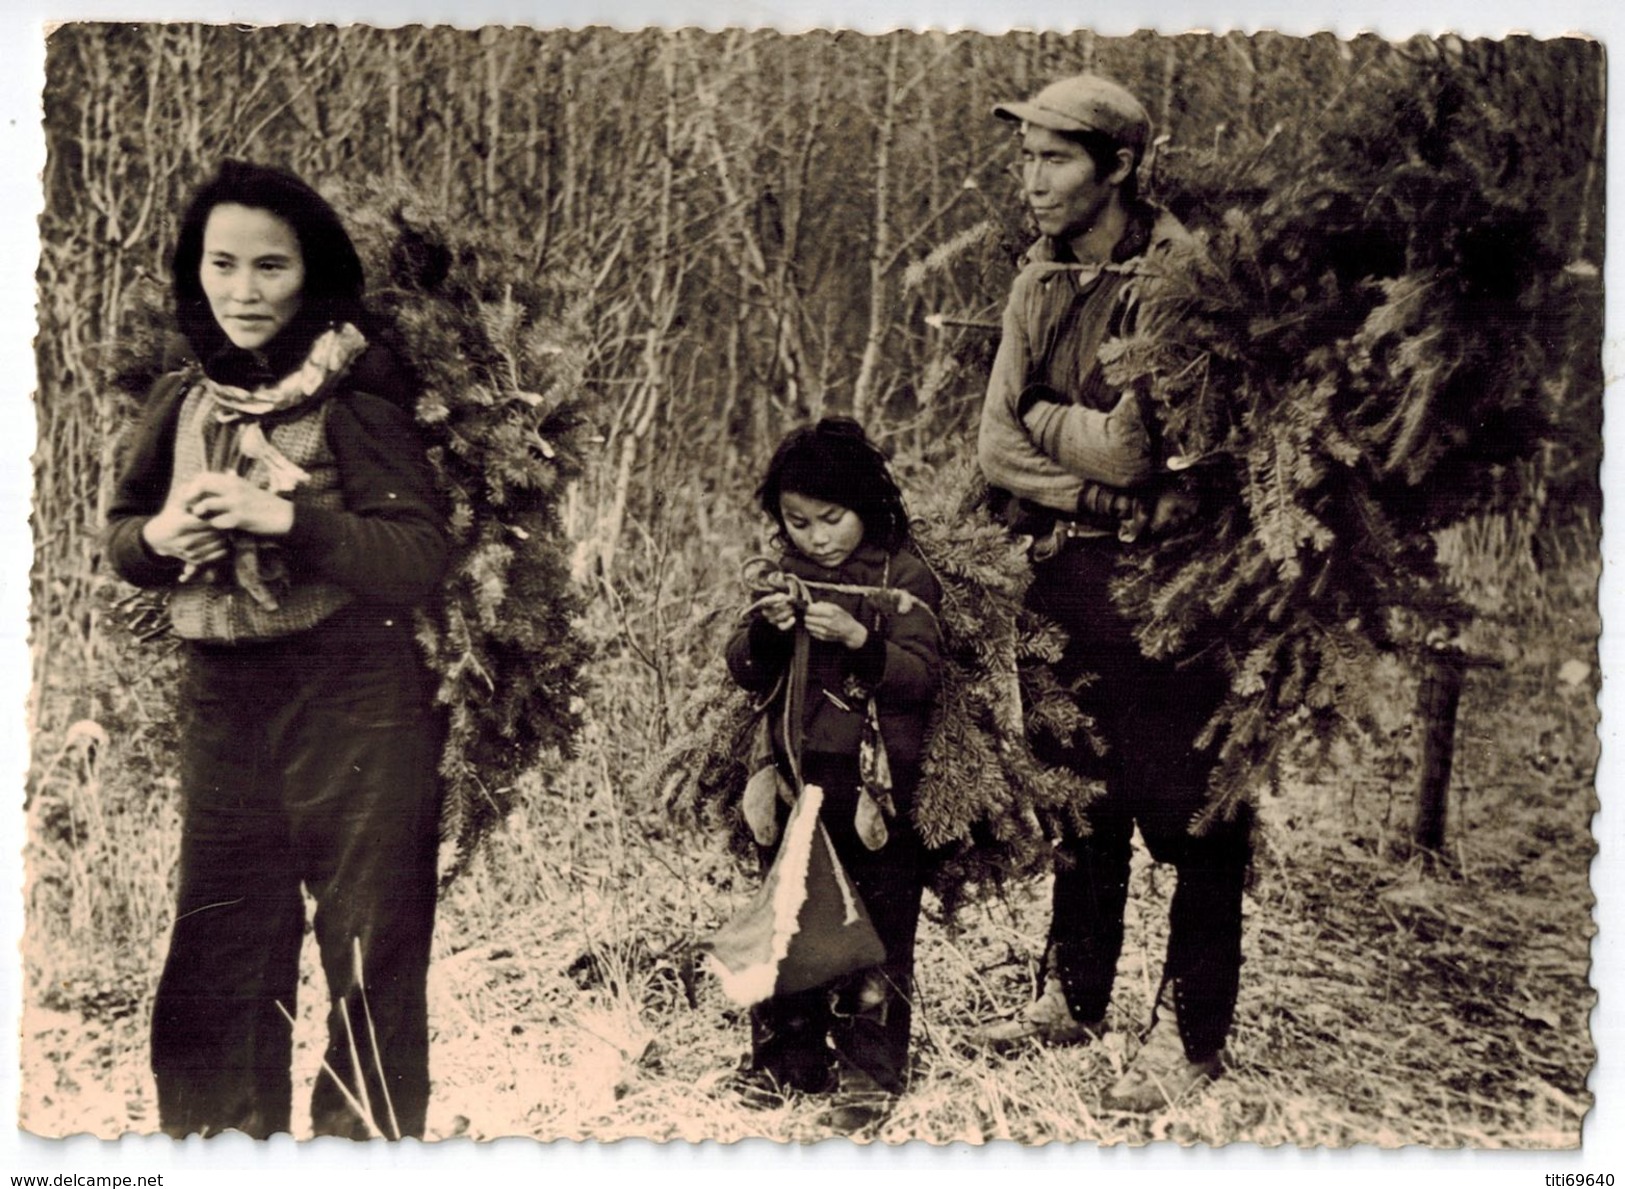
795, 701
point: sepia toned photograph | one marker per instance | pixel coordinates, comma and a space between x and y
926, 587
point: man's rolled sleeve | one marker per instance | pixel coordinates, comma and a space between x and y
1046, 456
1111, 448
1008, 456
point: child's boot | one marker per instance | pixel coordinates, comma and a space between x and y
860, 1103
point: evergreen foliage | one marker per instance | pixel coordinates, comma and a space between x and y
500, 349
1364, 355
985, 802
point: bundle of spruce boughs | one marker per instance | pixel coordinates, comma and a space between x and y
497, 348
499, 345
984, 805
1364, 355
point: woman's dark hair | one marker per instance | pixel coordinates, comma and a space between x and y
333, 284
835, 461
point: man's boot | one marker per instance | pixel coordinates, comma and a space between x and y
1161, 1072
1046, 1019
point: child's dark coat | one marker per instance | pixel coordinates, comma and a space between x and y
860, 1025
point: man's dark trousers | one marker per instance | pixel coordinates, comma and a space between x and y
1151, 714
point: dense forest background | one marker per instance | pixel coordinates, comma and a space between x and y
766, 228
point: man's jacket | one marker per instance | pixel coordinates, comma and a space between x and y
1055, 321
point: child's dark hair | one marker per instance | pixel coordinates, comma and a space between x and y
835, 461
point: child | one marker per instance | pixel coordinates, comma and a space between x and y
873, 666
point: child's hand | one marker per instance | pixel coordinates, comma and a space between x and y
779, 610
829, 621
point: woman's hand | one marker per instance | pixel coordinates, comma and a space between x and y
176, 533
226, 501
830, 621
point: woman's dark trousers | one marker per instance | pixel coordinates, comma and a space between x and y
1151, 714
862, 1021
316, 769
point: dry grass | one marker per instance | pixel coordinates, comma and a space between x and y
1380, 1003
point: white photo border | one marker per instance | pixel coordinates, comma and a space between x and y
237, 1161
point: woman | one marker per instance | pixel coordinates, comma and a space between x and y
277, 489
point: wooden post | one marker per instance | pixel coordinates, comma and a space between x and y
1437, 702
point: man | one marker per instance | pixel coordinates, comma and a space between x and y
1077, 466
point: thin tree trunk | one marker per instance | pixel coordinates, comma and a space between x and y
664, 278
880, 240
493, 118
392, 127
567, 121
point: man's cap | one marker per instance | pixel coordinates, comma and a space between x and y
1085, 103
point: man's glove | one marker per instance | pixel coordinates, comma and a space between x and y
1099, 502
1175, 504
1168, 508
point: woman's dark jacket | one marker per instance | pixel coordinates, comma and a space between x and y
387, 544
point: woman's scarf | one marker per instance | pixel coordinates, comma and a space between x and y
234, 439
